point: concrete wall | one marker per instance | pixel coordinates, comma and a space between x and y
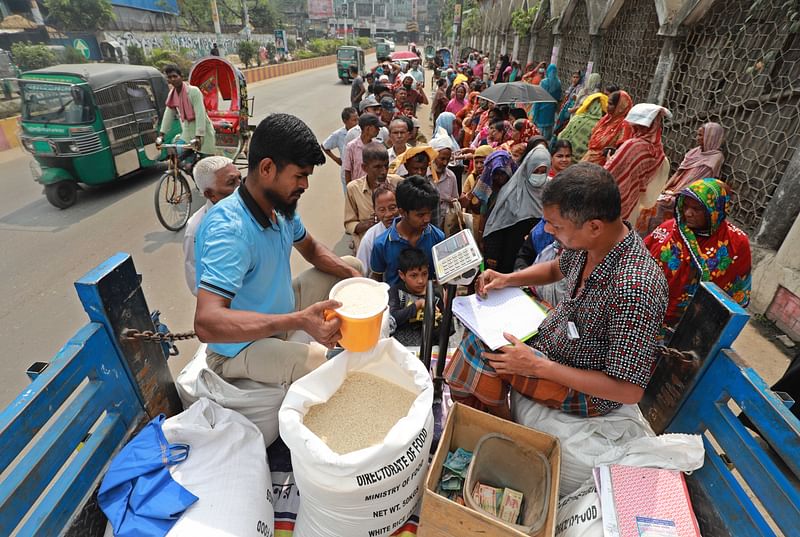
199, 43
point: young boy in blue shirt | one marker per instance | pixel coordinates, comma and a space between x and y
416, 200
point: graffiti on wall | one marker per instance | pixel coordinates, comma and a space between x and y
199, 43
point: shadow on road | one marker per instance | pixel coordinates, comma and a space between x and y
156, 239
40, 215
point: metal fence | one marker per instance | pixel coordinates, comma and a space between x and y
630, 49
745, 75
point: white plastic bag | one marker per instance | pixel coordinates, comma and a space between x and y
255, 401
226, 469
371, 491
583, 440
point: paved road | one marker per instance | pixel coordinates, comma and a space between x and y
44, 250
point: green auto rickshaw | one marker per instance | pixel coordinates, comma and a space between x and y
347, 56
383, 51
90, 123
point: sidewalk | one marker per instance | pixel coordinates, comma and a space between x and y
761, 352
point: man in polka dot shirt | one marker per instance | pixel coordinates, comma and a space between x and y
594, 351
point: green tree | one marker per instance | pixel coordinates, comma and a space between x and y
30, 57
71, 55
79, 14
136, 55
265, 17
247, 51
162, 57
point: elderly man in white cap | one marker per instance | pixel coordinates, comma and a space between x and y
216, 178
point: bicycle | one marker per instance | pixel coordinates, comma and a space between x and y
173, 196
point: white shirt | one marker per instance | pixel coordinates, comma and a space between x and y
365, 248
188, 245
336, 140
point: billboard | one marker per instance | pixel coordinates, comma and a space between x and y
320, 9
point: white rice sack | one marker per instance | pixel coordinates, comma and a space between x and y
583, 440
255, 401
371, 491
227, 469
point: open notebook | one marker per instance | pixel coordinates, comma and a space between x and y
504, 310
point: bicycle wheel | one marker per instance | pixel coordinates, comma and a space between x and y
173, 201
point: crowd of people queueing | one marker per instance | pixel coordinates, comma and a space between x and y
491, 167
559, 195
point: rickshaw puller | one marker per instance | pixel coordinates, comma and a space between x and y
186, 102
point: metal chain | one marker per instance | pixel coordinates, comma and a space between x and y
159, 337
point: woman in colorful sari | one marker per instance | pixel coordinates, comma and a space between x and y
568, 102
702, 161
522, 130
579, 128
611, 130
534, 75
544, 114
641, 157
466, 117
700, 245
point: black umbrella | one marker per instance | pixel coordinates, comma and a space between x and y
516, 92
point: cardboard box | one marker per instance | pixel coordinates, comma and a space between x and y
441, 517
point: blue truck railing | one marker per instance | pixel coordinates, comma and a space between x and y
60, 433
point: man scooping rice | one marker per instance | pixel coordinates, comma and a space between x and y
247, 303
594, 351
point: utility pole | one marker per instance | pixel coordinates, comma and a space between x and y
246, 20
215, 19
457, 8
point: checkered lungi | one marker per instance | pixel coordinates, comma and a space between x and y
475, 383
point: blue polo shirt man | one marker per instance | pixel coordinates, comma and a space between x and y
244, 256
260, 323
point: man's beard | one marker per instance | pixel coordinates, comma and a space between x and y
283, 207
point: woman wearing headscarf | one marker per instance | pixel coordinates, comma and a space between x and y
465, 118
593, 85
544, 114
522, 130
498, 168
639, 159
513, 72
534, 75
459, 101
700, 162
579, 128
701, 245
501, 68
446, 122
611, 130
568, 102
517, 209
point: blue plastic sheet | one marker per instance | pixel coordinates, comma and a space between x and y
138, 494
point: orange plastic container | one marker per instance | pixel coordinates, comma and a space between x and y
360, 332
